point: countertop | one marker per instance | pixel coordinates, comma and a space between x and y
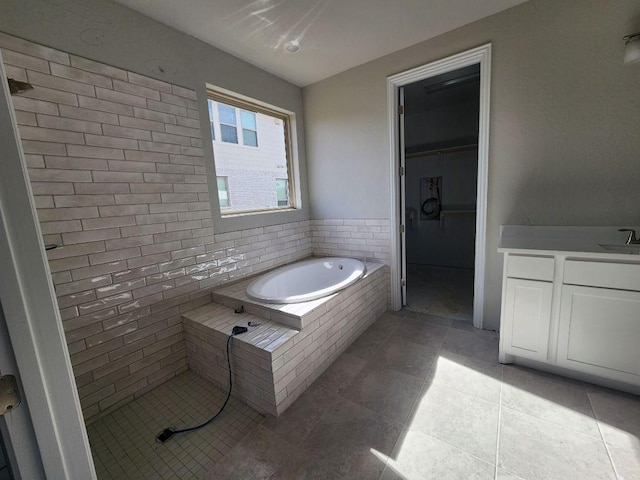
568, 241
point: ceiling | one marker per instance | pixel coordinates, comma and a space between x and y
334, 35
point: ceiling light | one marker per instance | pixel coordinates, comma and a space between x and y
632, 48
293, 46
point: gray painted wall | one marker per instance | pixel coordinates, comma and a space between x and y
564, 138
108, 32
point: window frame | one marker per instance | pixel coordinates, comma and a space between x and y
212, 121
243, 103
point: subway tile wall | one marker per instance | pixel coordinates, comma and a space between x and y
273, 369
357, 238
117, 170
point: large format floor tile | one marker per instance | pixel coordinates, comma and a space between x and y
264, 456
417, 397
626, 463
618, 415
536, 449
422, 330
387, 392
466, 374
463, 421
548, 397
302, 416
367, 345
341, 373
406, 357
346, 437
421, 457
470, 344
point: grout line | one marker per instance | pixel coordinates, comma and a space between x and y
499, 422
455, 447
181, 398
606, 447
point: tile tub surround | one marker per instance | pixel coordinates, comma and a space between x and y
295, 315
117, 171
274, 364
356, 238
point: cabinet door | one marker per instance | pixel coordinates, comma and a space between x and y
600, 332
525, 322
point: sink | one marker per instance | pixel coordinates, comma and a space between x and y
633, 248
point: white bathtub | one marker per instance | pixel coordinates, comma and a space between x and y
306, 280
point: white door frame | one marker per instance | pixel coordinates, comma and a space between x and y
34, 325
480, 55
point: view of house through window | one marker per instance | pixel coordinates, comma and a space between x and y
282, 192
251, 155
223, 192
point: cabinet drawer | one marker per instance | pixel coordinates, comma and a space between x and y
534, 268
620, 276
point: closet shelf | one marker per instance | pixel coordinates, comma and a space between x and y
460, 208
440, 151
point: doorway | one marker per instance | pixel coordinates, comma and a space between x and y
425, 198
441, 172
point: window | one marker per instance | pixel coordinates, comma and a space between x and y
251, 153
228, 129
249, 129
282, 192
223, 191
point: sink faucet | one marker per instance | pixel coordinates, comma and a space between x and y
631, 239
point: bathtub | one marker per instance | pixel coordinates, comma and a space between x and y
306, 280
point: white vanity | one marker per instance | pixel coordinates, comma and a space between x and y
571, 299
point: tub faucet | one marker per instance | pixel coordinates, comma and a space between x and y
631, 239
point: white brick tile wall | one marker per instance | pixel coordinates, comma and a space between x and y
116, 166
274, 364
358, 238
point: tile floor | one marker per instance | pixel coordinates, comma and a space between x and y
442, 291
424, 397
415, 397
123, 442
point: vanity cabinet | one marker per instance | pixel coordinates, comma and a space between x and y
528, 291
599, 332
528, 314
599, 324
581, 314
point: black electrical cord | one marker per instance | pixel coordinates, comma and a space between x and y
169, 432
